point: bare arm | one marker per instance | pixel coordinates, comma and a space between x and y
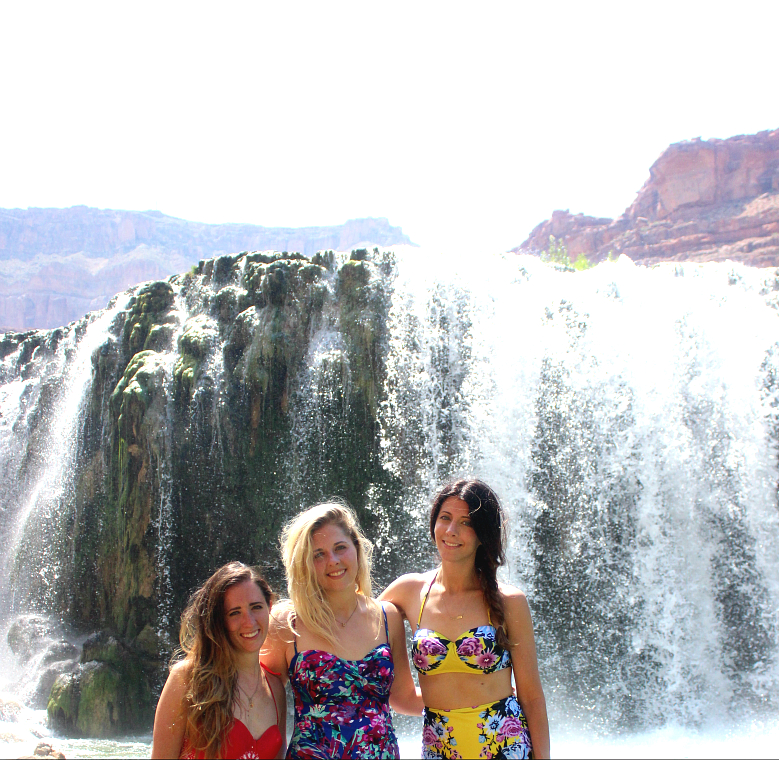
281, 705
405, 696
170, 717
404, 594
274, 651
524, 661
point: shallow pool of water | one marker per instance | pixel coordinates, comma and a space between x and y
758, 740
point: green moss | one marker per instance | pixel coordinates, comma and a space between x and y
62, 708
149, 307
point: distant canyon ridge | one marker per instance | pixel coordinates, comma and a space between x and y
705, 200
58, 264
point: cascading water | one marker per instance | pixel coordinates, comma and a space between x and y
33, 528
627, 416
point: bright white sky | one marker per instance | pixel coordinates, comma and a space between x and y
465, 123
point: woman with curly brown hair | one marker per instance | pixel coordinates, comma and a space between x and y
471, 633
219, 701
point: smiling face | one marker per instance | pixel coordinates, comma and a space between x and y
455, 537
335, 558
247, 613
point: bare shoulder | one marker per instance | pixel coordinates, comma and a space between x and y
281, 617
180, 674
404, 592
514, 602
408, 583
393, 613
511, 594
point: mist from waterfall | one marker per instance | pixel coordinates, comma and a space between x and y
626, 415
628, 418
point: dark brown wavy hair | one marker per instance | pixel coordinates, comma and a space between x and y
488, 521
208, 655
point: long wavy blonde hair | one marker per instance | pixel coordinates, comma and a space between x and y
308, 599
209, 660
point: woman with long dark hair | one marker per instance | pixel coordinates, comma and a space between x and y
219, 701
470, 634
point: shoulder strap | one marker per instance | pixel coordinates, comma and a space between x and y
424, 599
386, 626
270, 689
294, 632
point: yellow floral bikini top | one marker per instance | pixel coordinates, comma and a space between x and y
474, 650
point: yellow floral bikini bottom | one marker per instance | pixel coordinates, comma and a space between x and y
496, 730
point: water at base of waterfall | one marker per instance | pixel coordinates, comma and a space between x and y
758, 740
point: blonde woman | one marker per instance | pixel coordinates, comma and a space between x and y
343, 652
219, 701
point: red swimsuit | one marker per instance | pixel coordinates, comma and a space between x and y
239, 742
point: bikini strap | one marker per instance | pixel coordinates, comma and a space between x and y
489, 617
270, 688
386, 626
294, 632
424, 599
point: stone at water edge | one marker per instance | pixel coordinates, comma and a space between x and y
9, 710
44, 750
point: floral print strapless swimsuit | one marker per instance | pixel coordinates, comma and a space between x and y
342, 706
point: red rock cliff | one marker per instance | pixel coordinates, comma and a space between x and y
705, 200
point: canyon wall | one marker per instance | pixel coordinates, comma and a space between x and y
705, 200
58, 264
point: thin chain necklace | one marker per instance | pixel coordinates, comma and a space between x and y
256, 688
356, 605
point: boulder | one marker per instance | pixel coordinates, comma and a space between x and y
9, 710
108, 694
29, 634
44, 750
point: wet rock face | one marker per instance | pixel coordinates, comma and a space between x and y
222, 402
212, 428
38, 644
705, 200
29, 634
108, 694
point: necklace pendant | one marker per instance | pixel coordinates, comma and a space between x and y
251, 704
459, 617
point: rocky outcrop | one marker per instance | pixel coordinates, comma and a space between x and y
705, 200
109, 694
58, 264
38, 643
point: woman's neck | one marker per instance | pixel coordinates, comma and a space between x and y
457, 577
343, 603
247, 662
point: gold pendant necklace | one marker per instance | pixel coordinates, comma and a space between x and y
254, 693
343, 625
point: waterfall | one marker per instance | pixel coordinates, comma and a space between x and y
33, 513
628, 417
